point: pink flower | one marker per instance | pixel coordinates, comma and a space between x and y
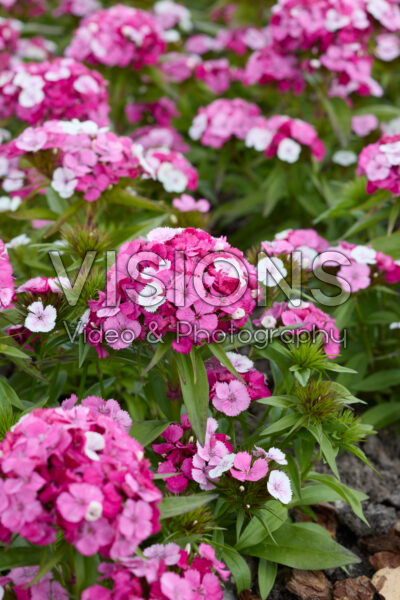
6, 279
231, 398
170, 553
121, 331
279, 486
93, 536
175, 587
31, 140
354, 277
187, 203
243, 470
135, 520
364, 124
273, 454
40, 319
78, 503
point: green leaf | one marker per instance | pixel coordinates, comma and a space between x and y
195, 390
266, 577
345, 492
379, 381
238, 567
161, 350
10, 558
284, 423
13, 352
278, 401
173, 506
8, 395
274, 514
304, 546
382, 415
388, 244
50, 562
147, 431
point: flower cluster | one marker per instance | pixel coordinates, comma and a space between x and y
118, 36
6, 279
79, 472
268, 65
78, 8
165, 572
18, 580
27, 8
379, 162
306, 241
278, 136
177, 280
89, 159
58, 89
171, 169
10, 30
312, 318
228, 394
159, 136
162, 110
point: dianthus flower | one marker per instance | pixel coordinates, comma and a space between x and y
379, 162
282, 314
78, 8
306, 241
76, 471
172, 169
170, 14
89, 159
228, 394
284, 137
165, 572
6, 279
18, 581
182, 281
162, 110
159, 136
267, 65
10, 30
24, 8
118, 36
58, 89
223, 119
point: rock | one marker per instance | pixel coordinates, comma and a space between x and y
380, 560
379, 516
360, 588
382, 543
310, 585
387, 583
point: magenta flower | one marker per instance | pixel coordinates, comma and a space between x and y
175, 587
243, 470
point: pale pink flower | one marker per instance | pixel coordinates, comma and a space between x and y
364, 124
40, 319
31, 140
76, 504
243, 469
231, 398
175, 588
170, 553
94, 443
273, 454
279, 486
64, 182
354, 277
187, 203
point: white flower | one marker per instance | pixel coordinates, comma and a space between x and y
152, 296
276, 455
14, 181
64, 182
171, 36
225, 464
83, 321
378, 8
270, 271
3, 166
172, 179
32, 95
198, 126
391, 127
268, 322
94, 443
282, 235
163, 234
31, 140
392, 152
9, 204
344, 158
76, 127
258, 138
85, 84
40, 319
289, 150
241, 362
94, 511
395, 325
20, 240
239, 313
61, 73
334, 20
307, 255
279, 487
364, 255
